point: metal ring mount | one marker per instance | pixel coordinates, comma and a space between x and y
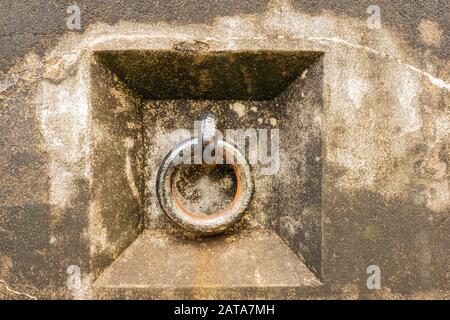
196, 222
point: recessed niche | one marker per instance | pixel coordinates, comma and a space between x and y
141, 101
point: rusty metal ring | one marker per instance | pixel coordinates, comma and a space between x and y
199, 223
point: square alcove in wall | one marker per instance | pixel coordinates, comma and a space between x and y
138, 99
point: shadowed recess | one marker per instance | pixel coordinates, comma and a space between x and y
219, 75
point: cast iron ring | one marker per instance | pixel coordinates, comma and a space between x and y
196, 222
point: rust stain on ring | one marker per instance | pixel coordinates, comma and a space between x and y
196, 222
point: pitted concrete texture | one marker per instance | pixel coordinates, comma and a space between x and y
243, 266
364, 175
36, 23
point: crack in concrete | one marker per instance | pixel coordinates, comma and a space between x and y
17, 292
434, 80
90, 43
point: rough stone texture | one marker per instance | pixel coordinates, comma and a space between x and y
116, 216
189, 73
237, 266
385, 134
298, 187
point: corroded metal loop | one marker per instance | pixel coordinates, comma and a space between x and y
197, 222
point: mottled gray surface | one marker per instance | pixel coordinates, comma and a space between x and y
116, 188
37, 23
385, 137
239, 266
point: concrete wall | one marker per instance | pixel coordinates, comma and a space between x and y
386, 131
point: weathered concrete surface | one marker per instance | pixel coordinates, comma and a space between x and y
288, 201
385, 130
240, 266
115, 213
37, 23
